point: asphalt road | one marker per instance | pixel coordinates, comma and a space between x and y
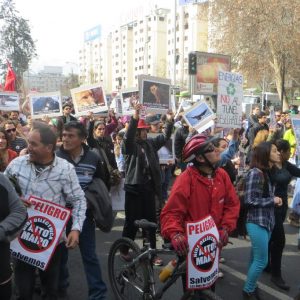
234, 269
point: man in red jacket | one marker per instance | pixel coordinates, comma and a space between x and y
201, 190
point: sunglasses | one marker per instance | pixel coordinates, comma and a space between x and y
208, 149
10, 130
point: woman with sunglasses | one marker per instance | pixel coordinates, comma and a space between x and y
260, 201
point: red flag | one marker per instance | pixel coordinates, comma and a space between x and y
10, 79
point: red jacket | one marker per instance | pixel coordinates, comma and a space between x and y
194, 196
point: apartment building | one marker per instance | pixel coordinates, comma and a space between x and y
91, 57
144, 44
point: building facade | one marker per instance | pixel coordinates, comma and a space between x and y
50, 79
145, 43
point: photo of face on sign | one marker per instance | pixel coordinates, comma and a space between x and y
89, 99
156, 95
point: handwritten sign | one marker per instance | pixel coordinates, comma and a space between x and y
203, 256
230, 97
41, 233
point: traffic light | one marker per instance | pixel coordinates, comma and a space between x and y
192, 63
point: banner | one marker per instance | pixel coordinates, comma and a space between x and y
203, 256
41, 233
230, 98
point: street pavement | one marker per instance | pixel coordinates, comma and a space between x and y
234, 269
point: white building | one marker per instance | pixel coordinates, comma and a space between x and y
91, 57
143, 43
50, 79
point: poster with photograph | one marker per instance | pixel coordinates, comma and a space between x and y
230, 99
89, 98
166, 153
45, 104
198, 115
155, 94
9, 101
208, 66
129, 98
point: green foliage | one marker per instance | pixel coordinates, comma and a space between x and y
16, 43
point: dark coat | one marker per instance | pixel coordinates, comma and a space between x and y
135, 150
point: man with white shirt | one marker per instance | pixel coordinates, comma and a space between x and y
44, 175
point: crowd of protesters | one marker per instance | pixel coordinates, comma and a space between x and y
58, 158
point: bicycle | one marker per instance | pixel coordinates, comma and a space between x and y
133, 278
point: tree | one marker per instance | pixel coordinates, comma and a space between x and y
16, 43
71, 81
262, 37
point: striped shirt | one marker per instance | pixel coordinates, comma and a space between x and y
58, 183
260, 205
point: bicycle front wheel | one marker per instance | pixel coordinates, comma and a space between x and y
127, 281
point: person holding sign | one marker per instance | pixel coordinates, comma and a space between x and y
142, 176
201, 190
44, 175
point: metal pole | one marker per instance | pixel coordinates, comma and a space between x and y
174, 58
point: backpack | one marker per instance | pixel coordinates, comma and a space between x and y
99, 201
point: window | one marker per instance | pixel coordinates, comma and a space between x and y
149, 66
186, 15
161, 19
186, 38
186, 26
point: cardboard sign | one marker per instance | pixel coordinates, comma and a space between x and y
155, 93
203, 256
296, 126
41, 233
230, 98
45, 104
9, 101
129, 98
199, 115
89, 98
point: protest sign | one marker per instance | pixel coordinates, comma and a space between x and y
45, 104
41, 233
203, 256
230, 98
208, 65
198, 115
89, 98
155, 93
9, 101
166, 154
129, 98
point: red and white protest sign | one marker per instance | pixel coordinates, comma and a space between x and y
41, 233
203, 256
